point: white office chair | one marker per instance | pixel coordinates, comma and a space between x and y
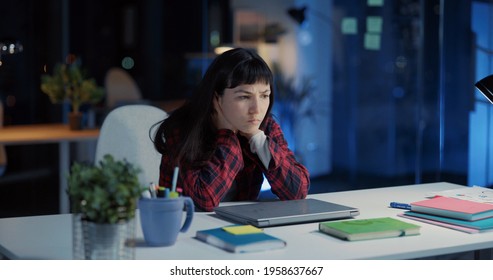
125, 135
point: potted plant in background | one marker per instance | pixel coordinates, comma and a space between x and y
104, 199
292, 102
70, 84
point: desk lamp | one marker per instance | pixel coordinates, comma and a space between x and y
298, 14
485, 86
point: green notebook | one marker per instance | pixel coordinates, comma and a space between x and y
361, 229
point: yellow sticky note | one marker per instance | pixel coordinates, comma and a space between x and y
237, 230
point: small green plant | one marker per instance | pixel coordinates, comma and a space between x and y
104, 193
70, 84
289, 94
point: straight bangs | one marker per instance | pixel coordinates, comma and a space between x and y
250, 72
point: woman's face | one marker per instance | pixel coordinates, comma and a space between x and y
245, 106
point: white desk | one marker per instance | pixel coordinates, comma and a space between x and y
49, 237
45, 134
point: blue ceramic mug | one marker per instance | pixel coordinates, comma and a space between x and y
161, 219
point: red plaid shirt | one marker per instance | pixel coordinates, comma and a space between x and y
233, 161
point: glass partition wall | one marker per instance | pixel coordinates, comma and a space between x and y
480, 158
405, 109
398, 97
404, 93
386, 101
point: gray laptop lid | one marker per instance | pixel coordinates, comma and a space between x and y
273, 213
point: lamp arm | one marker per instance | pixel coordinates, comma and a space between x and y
322, 16
484, 49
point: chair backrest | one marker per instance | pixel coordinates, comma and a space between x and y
121, 88
126, 134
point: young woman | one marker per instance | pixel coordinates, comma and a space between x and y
224, 139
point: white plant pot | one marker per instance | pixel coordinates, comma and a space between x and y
93, 241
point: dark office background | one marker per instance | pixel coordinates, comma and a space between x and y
400, 123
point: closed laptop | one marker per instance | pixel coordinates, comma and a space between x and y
274, 213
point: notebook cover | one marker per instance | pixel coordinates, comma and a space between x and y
438, 223
454, 208
240, 243
484, 224
369, 228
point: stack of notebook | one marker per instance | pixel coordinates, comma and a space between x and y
459, 214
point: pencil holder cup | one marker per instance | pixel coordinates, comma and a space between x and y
161, 219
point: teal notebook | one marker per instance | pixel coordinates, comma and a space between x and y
362, 229
484, 224
240, 243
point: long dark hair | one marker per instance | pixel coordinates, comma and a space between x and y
194, 120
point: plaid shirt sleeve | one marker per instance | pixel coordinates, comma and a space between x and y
288, 178
208, 185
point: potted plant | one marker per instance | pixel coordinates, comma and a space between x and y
292, 101
104, 199
70, 84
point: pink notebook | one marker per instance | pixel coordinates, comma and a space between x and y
454, 208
